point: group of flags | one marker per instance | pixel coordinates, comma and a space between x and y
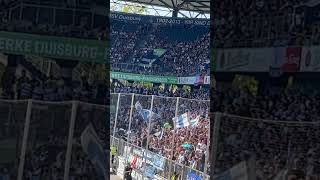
92, 145
181, 121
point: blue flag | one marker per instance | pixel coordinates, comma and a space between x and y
145, 113
193, 176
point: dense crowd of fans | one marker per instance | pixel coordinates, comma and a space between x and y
48, 138
278, 104
199, 94
190, 143
278, 128
132, 47
52, 89
266, 23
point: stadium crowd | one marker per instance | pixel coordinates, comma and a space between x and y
278, 128
267, 23
190, 143
199, 94
280, 104
52, 89
82, 27
133, 46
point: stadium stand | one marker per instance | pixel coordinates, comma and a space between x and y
170, 48
55, 85
38, 17
276, 124
200, 94
159, 137
266, 23
157, 46
73, 19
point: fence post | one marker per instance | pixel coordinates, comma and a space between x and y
70, 138
215, 138
115, 120
149, 123
174, 136
130, 121
25, 139
207, 149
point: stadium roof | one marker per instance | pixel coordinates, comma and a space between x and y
200, 6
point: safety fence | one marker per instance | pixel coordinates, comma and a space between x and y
128, 152
146, 121
44, 139
272, 146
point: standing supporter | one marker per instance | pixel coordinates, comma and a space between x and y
20, 81
7, 83
26, 89
38, 91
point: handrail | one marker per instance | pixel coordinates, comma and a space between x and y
176, 163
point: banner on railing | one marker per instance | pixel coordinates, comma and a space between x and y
127, 150
310, 59
193, 80
144, 78
158, 161
54, 47
281, 59
287, 59
192, 176
149, 171
243, 60
121, 165
159, 79
141, 155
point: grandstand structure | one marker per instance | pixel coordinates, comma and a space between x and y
53, 61
266, 95
160, 65
200, 7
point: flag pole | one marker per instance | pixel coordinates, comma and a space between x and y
207, 149
130, 119
145, 153
115, 120
174, 136
149, 123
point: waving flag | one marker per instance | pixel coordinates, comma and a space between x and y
194, 122
181, 121
145, 113
138, 106
92, 147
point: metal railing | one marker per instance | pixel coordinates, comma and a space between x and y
181, 169
128, 123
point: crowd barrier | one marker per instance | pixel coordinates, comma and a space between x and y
272, 146
126, 120
46, 136
126, 151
